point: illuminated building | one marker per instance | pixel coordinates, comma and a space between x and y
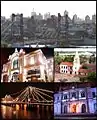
79, 100
27, 67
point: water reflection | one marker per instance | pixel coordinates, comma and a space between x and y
16, 112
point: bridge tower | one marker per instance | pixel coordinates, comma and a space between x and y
20, 25
66, 30
59, 26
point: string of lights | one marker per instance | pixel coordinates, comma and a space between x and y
41, 96
45, 90
34, 92
45, 94
17, 92
37, 98
21, 93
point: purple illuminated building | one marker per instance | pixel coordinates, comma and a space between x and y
75, 100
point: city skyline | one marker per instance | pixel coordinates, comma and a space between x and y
73, 7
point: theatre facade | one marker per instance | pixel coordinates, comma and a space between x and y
22, 67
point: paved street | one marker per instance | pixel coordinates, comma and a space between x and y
66, 78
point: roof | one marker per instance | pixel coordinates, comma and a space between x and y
66, 63
86, 70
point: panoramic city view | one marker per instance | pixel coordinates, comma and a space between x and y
27, 101
75, 64
48, 29
75, 101
27, 65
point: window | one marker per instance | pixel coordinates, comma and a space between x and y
15, 64
65, 97
82, 94
71, 67
74, 95
31, 60
66, 67
93, 94
58, 98
61, 66
95, 107
66, 71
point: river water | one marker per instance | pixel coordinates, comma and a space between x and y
8, 112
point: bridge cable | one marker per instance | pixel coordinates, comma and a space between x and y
41, 96
46, 95
21, 93
17, 92
45, 90
6, 28
34, 92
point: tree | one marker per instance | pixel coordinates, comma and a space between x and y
83, 79
58, 60
84, 67
91, 77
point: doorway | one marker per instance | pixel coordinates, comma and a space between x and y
83, 108
65, 109
74, 109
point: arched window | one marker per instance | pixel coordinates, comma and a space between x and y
74, 95
65, 97
94, 94
15, 63
83, 94
95, 107
74, 109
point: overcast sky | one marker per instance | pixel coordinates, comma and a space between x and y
81, 8
92, 49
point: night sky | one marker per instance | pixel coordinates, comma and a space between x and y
5, 52
10, 88
67, 85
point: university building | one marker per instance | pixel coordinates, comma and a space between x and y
77, 100
22, 67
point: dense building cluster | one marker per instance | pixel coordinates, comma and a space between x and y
50, 28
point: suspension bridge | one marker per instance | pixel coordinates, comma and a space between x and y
30, 97
13, 32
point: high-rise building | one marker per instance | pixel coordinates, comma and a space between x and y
93, 18
75, 18
66, 13
33, 13
47, 15
87, 19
